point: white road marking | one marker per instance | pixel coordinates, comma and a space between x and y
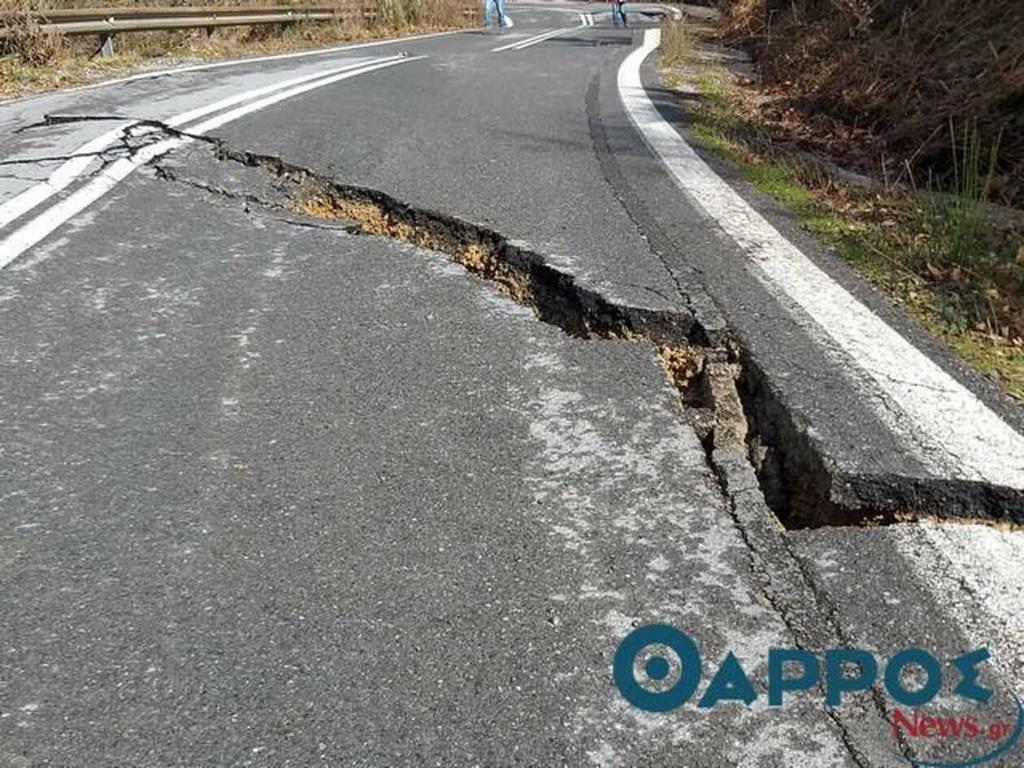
235, 63
85, 155
55, 216
25, 201
955, 433
521, 44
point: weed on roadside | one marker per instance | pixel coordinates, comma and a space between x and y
932, 250
676, 43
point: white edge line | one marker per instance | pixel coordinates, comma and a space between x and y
44, 224
195, 114
231, 116
955, 432
84, 156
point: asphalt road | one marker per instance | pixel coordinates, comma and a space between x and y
274, 492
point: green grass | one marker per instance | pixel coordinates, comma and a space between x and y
934, 255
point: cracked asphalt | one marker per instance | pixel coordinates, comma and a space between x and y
275, 492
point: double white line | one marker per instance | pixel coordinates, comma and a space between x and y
519, 45
33, 231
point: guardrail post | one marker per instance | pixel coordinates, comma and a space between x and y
210, 31
106, 44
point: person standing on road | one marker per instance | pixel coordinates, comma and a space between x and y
618, 12
492, 7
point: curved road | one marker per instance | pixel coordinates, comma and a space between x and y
274, 492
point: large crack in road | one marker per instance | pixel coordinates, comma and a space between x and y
724, 399
763, 458
796, 482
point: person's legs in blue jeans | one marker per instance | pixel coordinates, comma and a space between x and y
491, 7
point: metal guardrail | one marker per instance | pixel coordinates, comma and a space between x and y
105, 22
67, 15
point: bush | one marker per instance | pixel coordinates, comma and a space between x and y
21, 36
893, 74
676, 43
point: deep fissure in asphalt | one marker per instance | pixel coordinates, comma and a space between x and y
717, 395
795, 481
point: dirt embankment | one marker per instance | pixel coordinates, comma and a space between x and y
878, 83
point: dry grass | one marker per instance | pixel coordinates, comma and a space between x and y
32, 61
23, 39
877, 83
676, 43
955, 270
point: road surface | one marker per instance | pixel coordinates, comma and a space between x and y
283, 485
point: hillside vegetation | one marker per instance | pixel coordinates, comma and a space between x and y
878, 84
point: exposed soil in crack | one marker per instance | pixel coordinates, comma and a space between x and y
553, 294
801, 489
725, 397
799, 486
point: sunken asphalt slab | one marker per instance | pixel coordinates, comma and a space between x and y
535, 144
288, 495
